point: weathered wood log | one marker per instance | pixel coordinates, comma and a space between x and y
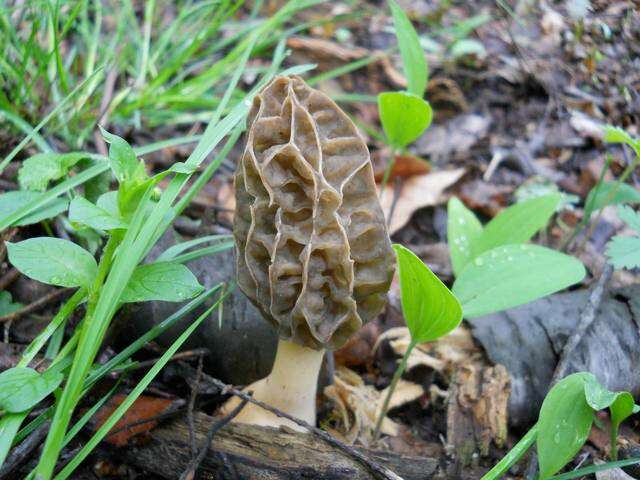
262, 453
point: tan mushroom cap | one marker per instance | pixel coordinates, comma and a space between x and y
313, 250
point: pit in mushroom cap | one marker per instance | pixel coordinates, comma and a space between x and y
313, 250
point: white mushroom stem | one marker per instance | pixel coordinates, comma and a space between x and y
290, 387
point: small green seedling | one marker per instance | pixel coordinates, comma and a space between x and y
495, 268
405, 115
564, 424
624, 251
429, 308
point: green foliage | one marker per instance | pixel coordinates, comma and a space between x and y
564, 424
429, 308
23, 388
37, 171
404, 117
463, 231
611, 193
518, 223
82, 211
618, 135
14, 201
7, 305
53, 261
124, 163
166, 281
623, 251
413, 58
512, 275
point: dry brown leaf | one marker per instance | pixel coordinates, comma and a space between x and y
358, 405
405, 166
416, 192
144, 408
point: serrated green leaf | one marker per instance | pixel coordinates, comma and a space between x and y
413, 58
53, 261
122, 159
518, 223
630, 217
463, 231
84, 212
512, 275
166, 281
404, 117
600, 197
564, 424
624, 252
37, 171
22, 388
430, 309
7, 305
11, 202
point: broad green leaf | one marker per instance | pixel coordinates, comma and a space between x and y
53, 261
413, 59
404, 117
630, 217
166, 281
596, 395
512, 275
109, 201
86, 213
11, 202
7, 305
122, 158
600, 197
624, 252
564, 424
430, 309
37, 171
463, 231
22, 388
618, 135
518, 223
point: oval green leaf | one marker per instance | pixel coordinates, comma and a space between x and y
22, 388
564, 424
414, 62
430, 309
508, 276
519, 222
463, 231
84, 212
53, 261
11, 202
166, 281
404, 117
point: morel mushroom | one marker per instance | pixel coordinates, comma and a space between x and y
313, 250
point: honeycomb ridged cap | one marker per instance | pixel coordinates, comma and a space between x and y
313, 250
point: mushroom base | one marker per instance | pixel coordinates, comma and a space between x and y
290, 387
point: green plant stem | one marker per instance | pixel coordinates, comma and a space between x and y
614, 441
518, 450
394, 382
71, 394
387, 172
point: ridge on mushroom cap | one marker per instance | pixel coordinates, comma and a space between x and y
313, 250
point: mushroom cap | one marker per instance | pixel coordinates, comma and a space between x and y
313, 250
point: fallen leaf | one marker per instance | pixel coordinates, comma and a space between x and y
405, 166
457, 136
414, 193
144, 408
358, 405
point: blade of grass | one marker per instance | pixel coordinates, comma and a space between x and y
131, 398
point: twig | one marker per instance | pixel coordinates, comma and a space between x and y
8, 278
192, 402
37, 305
375, 468
586, 319
190, 471
24, 450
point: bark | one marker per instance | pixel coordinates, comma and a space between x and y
262, 453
